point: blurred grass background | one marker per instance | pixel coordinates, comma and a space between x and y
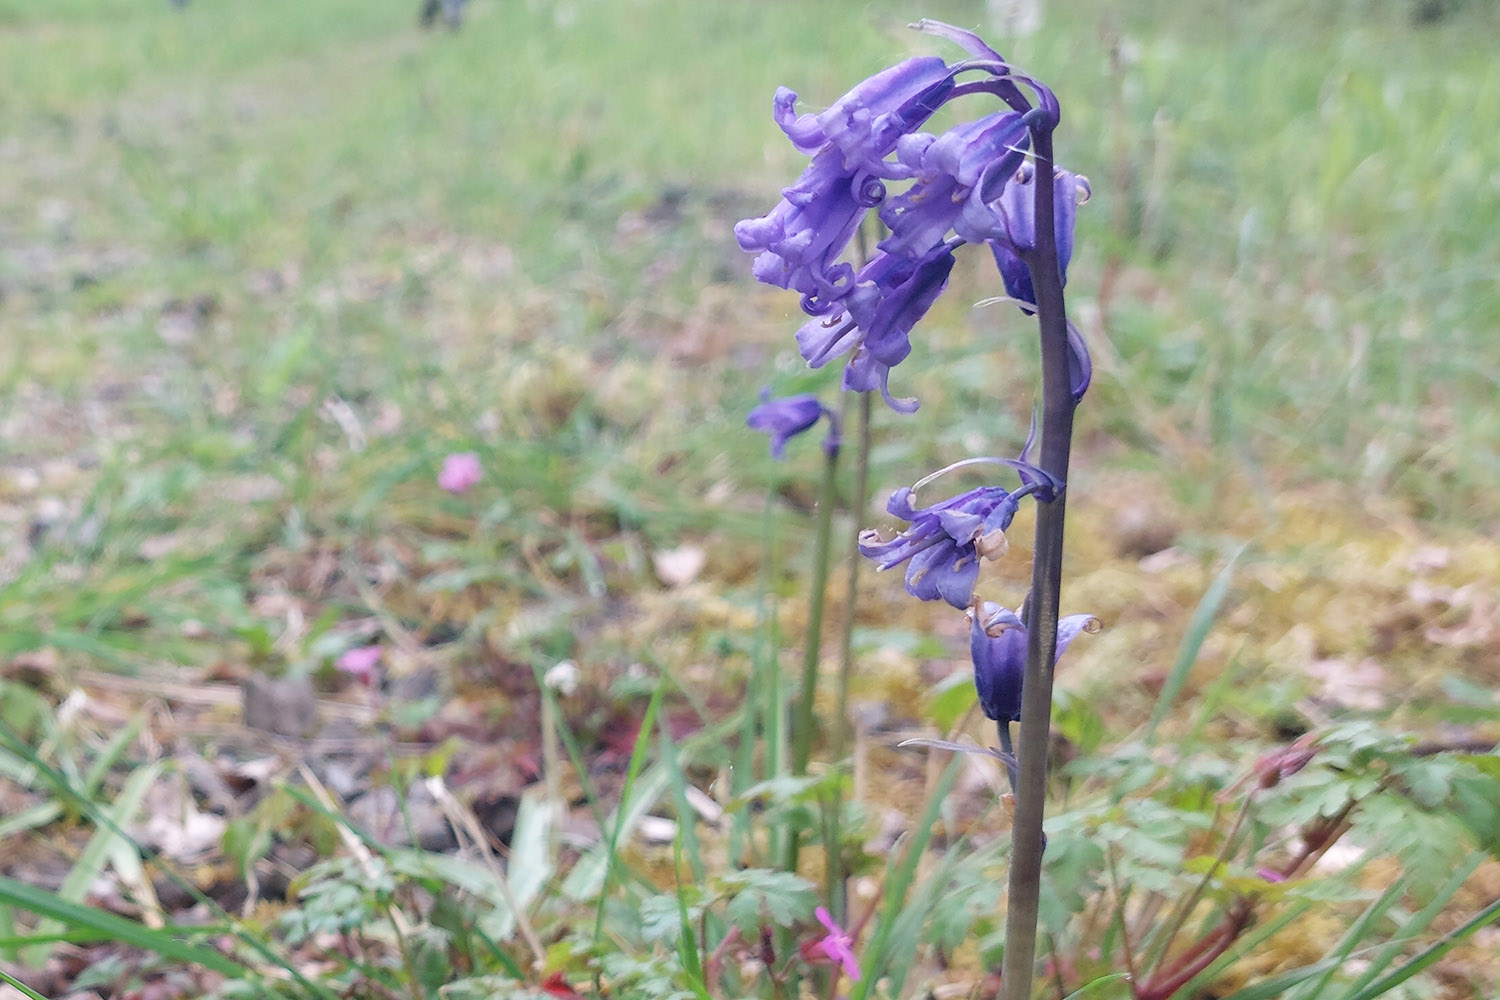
262, 266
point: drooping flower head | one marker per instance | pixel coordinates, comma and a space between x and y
800, 240
969, 185
997, 644
785, 418
944, 542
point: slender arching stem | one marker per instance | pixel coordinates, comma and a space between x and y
1046, 584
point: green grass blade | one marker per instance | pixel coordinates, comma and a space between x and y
1418, 922
109, 927
100, 846
20, 987
899, 875
93, 778
1113, 977
1192, 642
587, 876
637, 758
8, 942
60, 783
1449, 941
687, 825
1267, 989
1358, 930
1364, 988
692, 962
32, 818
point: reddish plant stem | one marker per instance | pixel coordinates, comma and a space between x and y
1209, 948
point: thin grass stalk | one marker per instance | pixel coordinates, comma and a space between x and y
1432, 953
1046, 587
632, 771
760, 690
900, 871
20, 987
552, 774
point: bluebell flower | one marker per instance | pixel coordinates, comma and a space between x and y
865, 123
997, 644
783, 419
1015, 227
943, 543
891, 294
969, 185
951, 171
800, 240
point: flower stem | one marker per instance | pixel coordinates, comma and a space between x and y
1046, 585
851, 592
843, 726
802, 724
803, 716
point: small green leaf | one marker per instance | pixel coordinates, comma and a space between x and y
761, 896
950, 699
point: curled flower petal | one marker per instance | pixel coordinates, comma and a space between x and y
799, 241
862, 122
966, 40
865, 374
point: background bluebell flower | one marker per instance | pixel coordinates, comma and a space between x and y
997, 645
783, 419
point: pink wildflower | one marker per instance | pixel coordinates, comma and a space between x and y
360, 662
461, 471
837, 945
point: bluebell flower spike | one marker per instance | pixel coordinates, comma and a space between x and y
970, 184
